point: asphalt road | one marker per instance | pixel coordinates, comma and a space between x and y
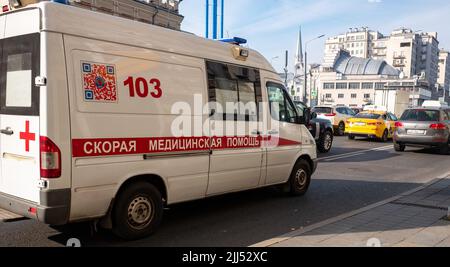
353, 175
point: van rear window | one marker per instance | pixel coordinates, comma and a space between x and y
18, 80
420, 115
20, 61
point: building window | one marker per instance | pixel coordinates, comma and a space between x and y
341, 86
328, 96
379, 85
340, 95
366, 96
353, 96
355, 86
405, 45
367, 85
328, 86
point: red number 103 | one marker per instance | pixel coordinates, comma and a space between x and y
140, 87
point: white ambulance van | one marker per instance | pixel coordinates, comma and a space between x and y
88, 104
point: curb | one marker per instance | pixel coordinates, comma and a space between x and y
299, 232
6, 216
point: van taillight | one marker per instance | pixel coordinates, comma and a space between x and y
399, 124
330, 115
50, 159
5, 8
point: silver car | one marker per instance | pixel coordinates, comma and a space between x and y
423, 127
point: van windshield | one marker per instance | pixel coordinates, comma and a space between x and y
420, 115
19, 65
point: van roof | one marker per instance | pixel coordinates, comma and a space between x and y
78, 21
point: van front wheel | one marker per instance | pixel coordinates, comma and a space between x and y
300, 179
138, 211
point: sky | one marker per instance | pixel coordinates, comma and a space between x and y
271, 26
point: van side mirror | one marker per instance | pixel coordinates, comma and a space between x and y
306, 118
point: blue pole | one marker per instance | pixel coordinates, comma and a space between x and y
207, 19
215, 19
222, 18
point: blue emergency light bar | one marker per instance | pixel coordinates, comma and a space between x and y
235, 41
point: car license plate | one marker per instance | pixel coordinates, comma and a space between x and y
417, 132
360, 124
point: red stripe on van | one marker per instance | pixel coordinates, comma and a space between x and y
130, 146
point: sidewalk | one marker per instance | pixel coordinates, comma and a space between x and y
417, 218
6, 216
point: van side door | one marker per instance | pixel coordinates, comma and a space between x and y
19, 117
236, 152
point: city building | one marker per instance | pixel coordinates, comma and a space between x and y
429, 57
357, 41
353, 81
444, 75
414, 54
400, 50
163, 13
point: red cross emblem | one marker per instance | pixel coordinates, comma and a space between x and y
27, 136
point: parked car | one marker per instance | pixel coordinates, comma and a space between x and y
321, 130
423, 127
336, 115
372, 124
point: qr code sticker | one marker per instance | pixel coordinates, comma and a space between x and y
99, 82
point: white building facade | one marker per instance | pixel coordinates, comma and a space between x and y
353, 82
414, 54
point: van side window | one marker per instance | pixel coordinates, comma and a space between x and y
281, 107
235, 91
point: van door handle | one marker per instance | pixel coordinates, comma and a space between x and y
273, 132
7, 131
256, 132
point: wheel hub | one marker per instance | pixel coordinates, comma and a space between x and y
300, 178
140, 212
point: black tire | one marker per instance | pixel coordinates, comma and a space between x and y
325, 142
385, 136
341, 129
444, 149
300, 179
138, 211
399, 147
351, 137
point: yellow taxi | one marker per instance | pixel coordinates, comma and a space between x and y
371, 123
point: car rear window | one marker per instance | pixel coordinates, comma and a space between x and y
323, 110
420, 115
368, 116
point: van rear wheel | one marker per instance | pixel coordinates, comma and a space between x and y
138, 211
300, 178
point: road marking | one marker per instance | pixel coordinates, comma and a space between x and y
355, 153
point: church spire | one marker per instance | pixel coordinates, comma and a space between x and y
299, 54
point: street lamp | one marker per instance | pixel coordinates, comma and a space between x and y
273, 59
306, 65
